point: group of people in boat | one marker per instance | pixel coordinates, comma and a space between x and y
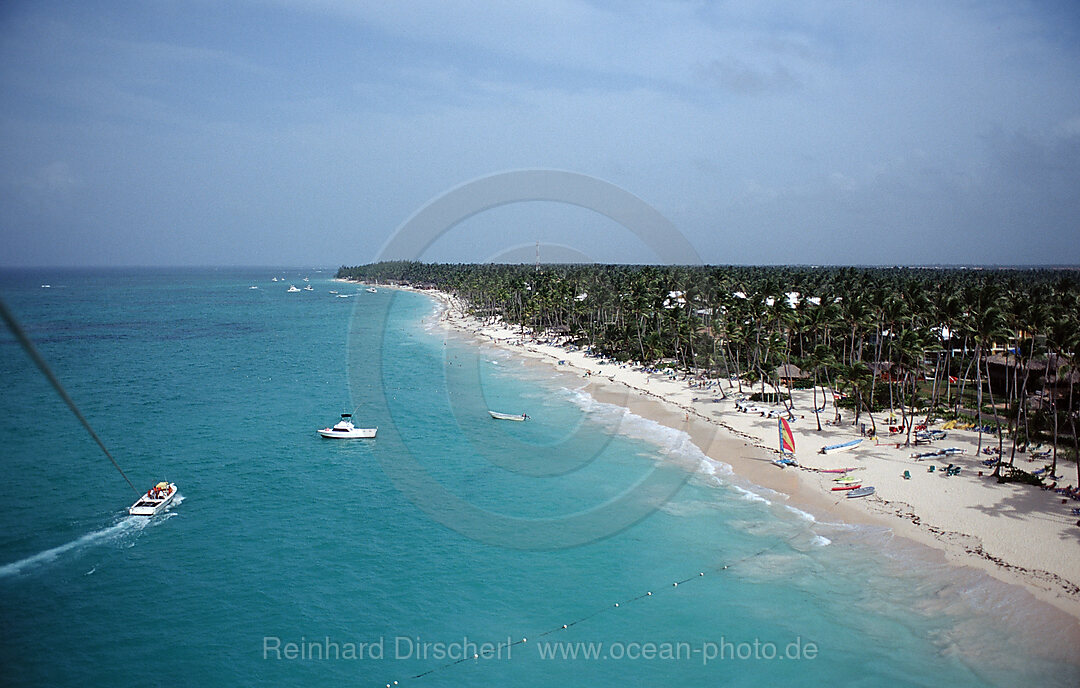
158, 492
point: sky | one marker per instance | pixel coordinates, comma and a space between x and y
308, 132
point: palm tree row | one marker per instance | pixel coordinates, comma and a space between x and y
998, 347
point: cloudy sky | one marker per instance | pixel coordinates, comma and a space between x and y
306, 132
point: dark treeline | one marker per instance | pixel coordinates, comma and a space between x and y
997, 347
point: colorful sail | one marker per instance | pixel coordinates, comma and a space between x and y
787, 440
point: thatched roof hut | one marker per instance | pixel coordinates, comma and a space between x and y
788, 371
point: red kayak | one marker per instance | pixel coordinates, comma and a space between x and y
846, 487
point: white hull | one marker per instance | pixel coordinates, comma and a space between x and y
847, 446
506, 416
354, 434
149, 506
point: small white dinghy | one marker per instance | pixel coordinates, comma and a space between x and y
846, 446
345, 430
292, 289
373, 290
508, 416
156, 498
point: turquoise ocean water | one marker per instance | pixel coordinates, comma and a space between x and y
450, 534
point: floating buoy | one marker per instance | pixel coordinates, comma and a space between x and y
649, 594
564, 625
674, 585
616, 604
701, 573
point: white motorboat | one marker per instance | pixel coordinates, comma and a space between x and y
345, 430
156, 498
253, 287
508, 416
342, 296
308, 287
373, 290
305, 279
333, 291
274, 280
292, 289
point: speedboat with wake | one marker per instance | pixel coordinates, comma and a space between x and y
292, 289
345, 430
156, 498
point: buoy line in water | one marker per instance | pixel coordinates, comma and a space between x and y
570, 624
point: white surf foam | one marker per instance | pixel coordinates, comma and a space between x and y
677, 444
673, 443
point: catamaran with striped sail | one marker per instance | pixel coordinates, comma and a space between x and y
787, 445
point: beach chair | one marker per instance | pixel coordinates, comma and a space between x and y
907, 475
931, 469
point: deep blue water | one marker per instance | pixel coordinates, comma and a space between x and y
448, 526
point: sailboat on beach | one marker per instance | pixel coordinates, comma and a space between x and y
787, 445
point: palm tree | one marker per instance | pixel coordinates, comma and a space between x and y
988, 325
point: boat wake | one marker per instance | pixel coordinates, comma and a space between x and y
125, 527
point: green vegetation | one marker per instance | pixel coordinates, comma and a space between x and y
998, 347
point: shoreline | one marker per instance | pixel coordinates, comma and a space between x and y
1019, 535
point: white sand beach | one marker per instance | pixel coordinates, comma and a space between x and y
1019, 534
